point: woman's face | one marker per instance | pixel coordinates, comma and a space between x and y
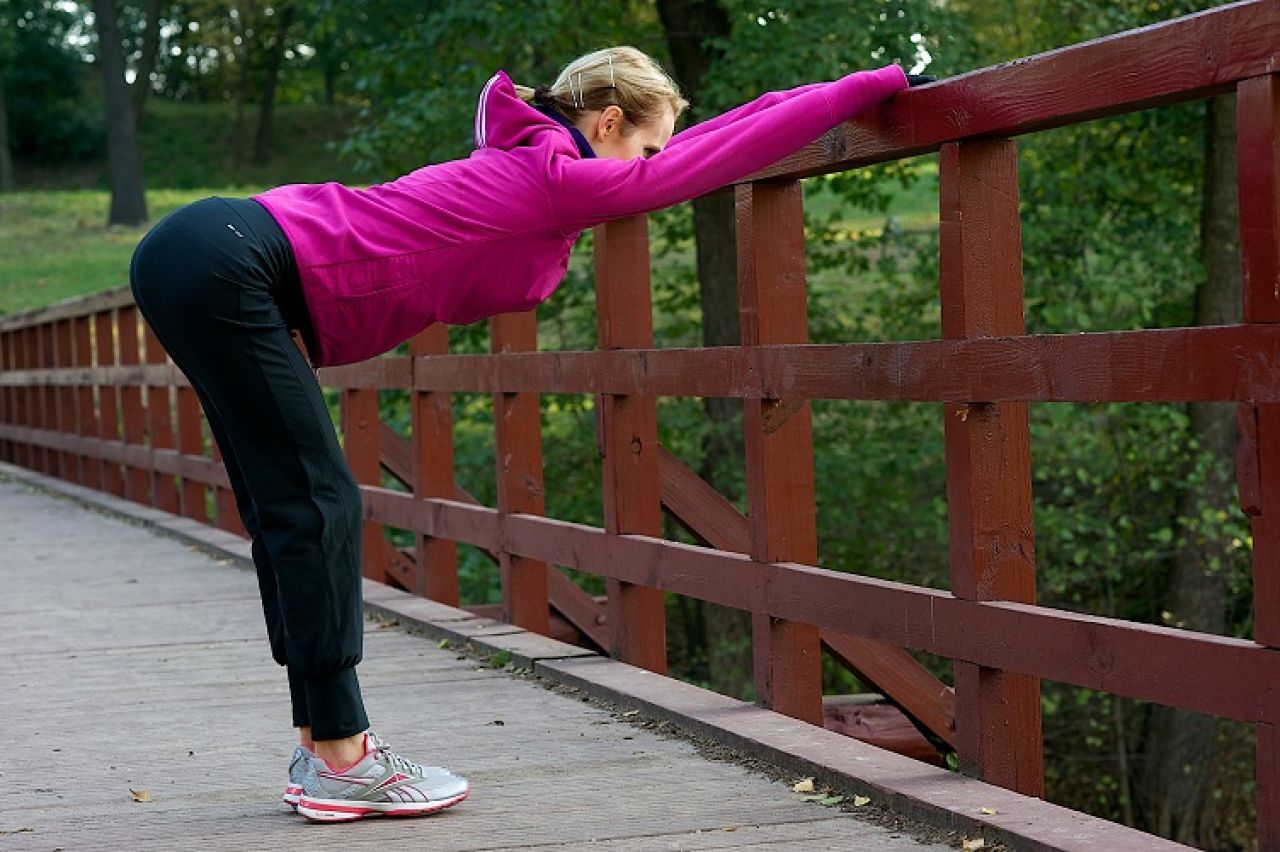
604, 131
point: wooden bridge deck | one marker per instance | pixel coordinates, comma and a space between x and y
136, 662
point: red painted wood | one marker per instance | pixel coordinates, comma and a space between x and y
518, 449
437, 558
1223, 676
628, 426
86, 416
1258, 171
108, 405
1184, 59
778, 439
48, 395
160, 423
998, 724
1268, 775
360, 443
193, 495
7, 413
64, 398
880, 724
137, 479
1226, 363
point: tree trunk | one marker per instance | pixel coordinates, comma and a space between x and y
128, 204
240, 26
6, 161
726, 631
1180, 746
262, 139
147, 63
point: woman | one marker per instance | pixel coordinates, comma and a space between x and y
356, 272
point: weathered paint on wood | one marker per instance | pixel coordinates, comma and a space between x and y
628, 431
108, 406
159, 424
988, 446
518, 456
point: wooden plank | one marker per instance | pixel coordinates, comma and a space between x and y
75, 306
778, 439
628, 429
589, 616
1258, 174
65, 398
517, 422
108, 405
1268, 775
1183, 59
1206, 364
716, 522
360, 444
192, 497
137, 479
160, 424
395, 454
86, 416
48, 395
988, 447
437, 558
7, 413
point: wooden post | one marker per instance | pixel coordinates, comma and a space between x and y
628, 429
6, 396
86, 417
108, 406
160, 425
518, 447
1258, 466
48, 397
361, 443
988, 445
137, 479
437, 558
65, 399
194, 494
778, 435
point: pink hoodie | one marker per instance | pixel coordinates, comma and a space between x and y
467, 239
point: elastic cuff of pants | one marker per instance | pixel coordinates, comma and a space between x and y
335, 706
298, 698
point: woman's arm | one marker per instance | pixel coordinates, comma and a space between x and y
590, 191
765, 101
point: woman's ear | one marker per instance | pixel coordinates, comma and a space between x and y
610, 122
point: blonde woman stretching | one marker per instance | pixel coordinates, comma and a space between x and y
222, 282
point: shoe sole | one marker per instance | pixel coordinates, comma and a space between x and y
291, 796
345, 810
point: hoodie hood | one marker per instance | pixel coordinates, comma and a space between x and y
504, 121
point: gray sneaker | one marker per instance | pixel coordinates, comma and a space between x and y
297, 771
381, 783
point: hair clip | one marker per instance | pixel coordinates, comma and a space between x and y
612, 84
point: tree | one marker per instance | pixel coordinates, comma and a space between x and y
147, 61
275, 56
128, 203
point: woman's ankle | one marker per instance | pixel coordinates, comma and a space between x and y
340, 754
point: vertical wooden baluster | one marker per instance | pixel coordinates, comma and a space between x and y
518, 448
25, 396
108, 405
137, 478
1258, 175
361, 443
988, 447
629, 432
194, 494
6, 406
86, 416
68, 462
45, 402
437, 558
778, 439
48, 361
160, 424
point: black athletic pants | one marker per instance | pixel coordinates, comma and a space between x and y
217, 282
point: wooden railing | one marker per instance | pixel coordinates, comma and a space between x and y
79, 402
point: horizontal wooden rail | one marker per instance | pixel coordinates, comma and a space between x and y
1227, 677
1185, 59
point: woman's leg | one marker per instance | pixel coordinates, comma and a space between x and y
198, 279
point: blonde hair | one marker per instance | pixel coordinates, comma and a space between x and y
615, 76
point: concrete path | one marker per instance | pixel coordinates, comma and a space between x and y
135, 662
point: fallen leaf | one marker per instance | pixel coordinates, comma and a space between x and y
629, 713
859, 801
140, 795
975, 843
830, 800
988, 811
443, 643
803, 786
816, 797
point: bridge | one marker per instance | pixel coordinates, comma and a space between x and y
91, 408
